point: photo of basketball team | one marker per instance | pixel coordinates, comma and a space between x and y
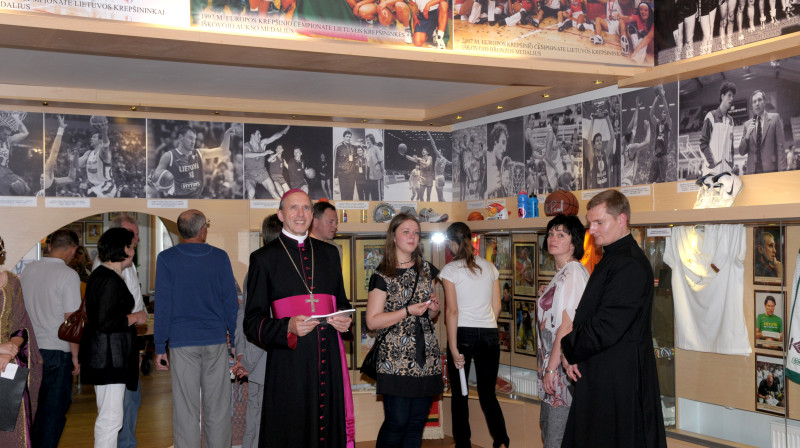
418, 23
194, 159
419, 166
94, 156
687, 28
20, 153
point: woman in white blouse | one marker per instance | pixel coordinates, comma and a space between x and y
555, 311
472, 294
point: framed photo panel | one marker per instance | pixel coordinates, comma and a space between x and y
768, 255
542, 283
524, 323
77, 227
97, 217
524, 269
769, 309
506, 295
770, 385
366, 338
498, 251
369, 253
504, 331
547, 264
93, 232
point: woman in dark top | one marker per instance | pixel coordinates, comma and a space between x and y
402, 305
108, 355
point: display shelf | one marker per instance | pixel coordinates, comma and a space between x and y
719, 61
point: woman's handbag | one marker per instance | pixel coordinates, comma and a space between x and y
370, 365
71, 329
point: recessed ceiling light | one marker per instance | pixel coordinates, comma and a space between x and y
499, 107
364, 120
545, 95
216, 112
598, 81
45, 103
458, 117
133, 108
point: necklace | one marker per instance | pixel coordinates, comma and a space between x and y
404, 262
311, 299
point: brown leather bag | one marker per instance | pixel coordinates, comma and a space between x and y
71, 329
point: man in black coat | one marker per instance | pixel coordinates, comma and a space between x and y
610, 349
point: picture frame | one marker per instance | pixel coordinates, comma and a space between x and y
524, 327
76, 227
770, 317
498, 252
97, 217
92, 251
542, 282
506, 297
93, 232
769, 248
770, 394
524, 269
504, 332
369, 253
547, 264
366, 337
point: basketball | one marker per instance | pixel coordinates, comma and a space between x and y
475, 216
98, 120
402, 148
238, 129
561, 201
165, 181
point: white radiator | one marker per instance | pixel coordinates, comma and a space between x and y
784, 436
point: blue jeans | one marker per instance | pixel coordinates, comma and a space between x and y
403, 422
482, 344
55, 397
127, 435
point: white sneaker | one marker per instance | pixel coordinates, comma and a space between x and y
409, 210
428, 215
705, 194
407, 35
440, 41
730, 187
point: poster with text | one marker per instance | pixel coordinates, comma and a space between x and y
157, 12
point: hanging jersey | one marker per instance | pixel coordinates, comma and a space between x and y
188, 173
708, 288
600, 173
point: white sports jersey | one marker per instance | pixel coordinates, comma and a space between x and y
96, 169
708, 288
613, 12
629, 164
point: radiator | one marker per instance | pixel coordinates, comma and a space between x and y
784, 436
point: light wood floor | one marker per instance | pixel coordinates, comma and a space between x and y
154, 429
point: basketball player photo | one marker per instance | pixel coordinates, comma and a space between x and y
554, 148
94, 156
600, 127
418, 166
505, 159
194, 159
469, 163
660, 159
20, 153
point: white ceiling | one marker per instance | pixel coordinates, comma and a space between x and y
41, 68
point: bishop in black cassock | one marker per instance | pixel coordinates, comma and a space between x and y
307, 398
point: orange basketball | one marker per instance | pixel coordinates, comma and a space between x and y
561, 201
475, 216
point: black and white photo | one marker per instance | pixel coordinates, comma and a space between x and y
20, 153
600, 128
553, 150
656, 157
94, 156
414, 160
469, 163
194, 159
505, 159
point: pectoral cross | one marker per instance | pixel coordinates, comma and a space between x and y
312, 301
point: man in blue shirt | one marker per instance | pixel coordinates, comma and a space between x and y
196, 306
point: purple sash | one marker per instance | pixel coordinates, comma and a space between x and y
307, 305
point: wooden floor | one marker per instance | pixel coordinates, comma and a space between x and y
154, 429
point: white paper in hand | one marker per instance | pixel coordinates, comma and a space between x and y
463, 378
10, 372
